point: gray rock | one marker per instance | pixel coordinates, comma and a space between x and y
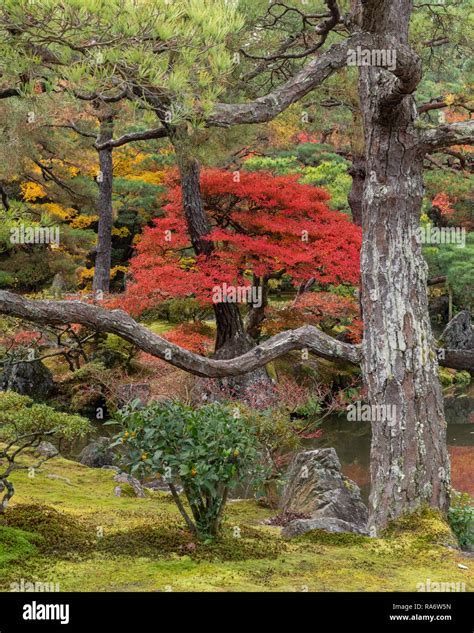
123, 478
46, 449
97, 454
28, 379
301, 526
459, 333
317, 487
160, 484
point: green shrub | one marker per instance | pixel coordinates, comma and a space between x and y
24, 424
461, 519
206, 450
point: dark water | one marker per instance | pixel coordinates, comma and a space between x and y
351, 440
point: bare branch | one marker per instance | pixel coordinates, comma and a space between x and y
120, 323
159, 132
461, 133
269, 106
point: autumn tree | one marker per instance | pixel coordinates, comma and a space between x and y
262, 228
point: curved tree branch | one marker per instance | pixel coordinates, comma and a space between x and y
269, 106
445, 135
120, 323
159, 132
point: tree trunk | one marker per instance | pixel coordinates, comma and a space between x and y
104, 208
231, 337
256, 314
409, 459
230, 329
357, 171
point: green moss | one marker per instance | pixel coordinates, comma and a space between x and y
341, 539
425, 525
60, 533
16, 544
91, 540
446, 376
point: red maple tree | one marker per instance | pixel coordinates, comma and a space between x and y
261, 226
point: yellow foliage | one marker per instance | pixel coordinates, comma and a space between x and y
125, 161
117, 269
31, 191
122, 232
57, 210
86, 274
450, 99
187, 263
84, 221
285, 126
151, 177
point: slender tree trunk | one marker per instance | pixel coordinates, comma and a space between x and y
256, 315
409, 460
357, 171
230, 329
231, 337
104, 208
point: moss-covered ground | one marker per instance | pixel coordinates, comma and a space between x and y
66, 526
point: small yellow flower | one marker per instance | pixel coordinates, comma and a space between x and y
236, 453
144, 456
194, 472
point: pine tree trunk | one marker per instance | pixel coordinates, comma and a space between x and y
103, 256
409, 459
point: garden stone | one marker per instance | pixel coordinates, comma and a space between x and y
28, 379
301, 526
316, 487
46, 449
134, 391
123, 478
97, 454
160, 484
459, 333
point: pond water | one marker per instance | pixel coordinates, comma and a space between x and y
351, 440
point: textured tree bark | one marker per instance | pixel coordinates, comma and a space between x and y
103, 255
256, 313
409, 459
